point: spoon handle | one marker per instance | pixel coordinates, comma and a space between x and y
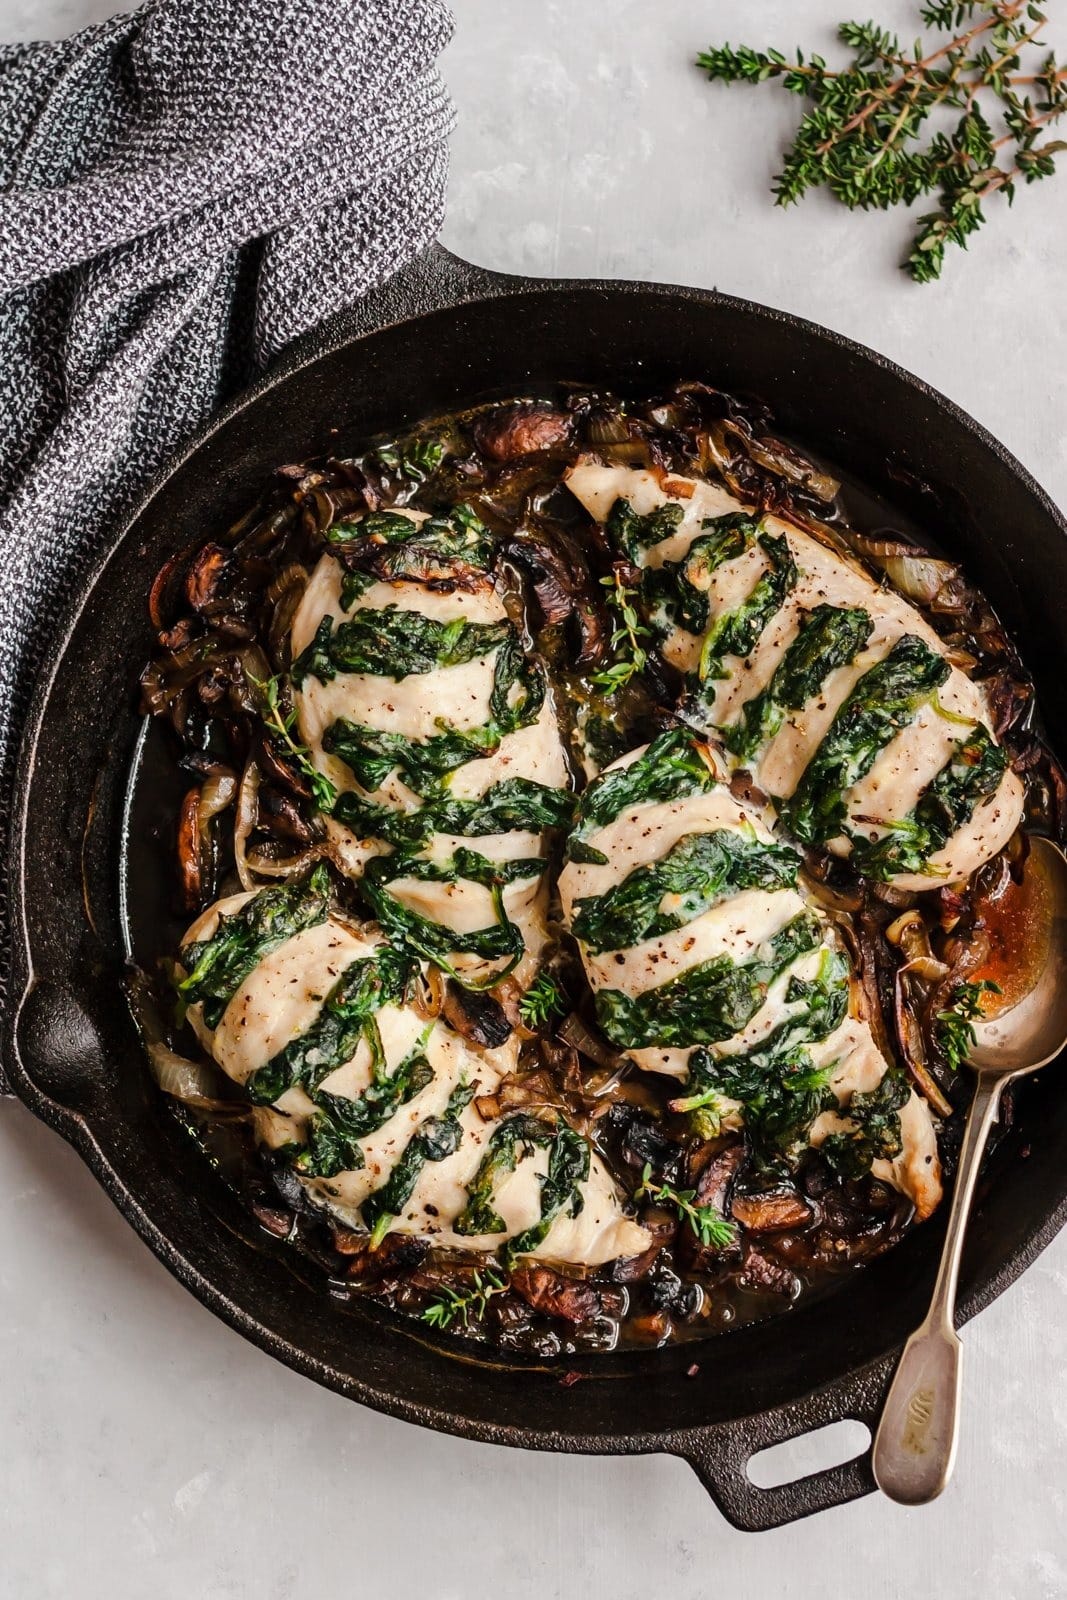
915, 1446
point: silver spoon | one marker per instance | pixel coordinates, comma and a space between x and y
915, 1447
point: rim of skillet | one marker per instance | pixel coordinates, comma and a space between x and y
470, 285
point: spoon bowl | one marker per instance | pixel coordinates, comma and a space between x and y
1033, 1031
915, 1447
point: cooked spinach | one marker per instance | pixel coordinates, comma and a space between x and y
372, 755
395, 643
709, 1002
502, 941
875, 1133
387, 527
510, 804
453, 543
633, 533
434, 1140
672, 768
676, 593
970, 776
414, 459
735, 633
345, 1017
568, 1168
777, 1083
518, 1135
885, 699
830, 637
216, 967
339, 1122
700, 870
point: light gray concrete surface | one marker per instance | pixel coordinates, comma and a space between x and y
148, 1450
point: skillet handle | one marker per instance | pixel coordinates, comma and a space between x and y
720, 1455
436, 279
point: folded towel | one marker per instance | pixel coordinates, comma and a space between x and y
182, 192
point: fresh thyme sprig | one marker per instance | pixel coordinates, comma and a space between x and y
444, 1309
708, 1223
280, 728
630, 654
543, 1000
862, 137
955, 1026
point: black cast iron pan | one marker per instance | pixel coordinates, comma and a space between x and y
438, 338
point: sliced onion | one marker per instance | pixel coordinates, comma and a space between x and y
784, 462
574, 1032
912, 1045
261, 865
918, 577
247, 817
194, 1083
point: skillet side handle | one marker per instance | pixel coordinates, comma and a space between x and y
436, 279
719, 1455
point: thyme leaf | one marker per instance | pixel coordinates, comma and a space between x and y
864, 133
707, 1222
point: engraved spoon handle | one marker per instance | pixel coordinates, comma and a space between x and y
915, 1446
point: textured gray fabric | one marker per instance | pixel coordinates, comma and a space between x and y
182, 192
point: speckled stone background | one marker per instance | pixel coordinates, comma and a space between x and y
147, 1450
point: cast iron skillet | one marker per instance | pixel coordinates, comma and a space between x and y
443, 335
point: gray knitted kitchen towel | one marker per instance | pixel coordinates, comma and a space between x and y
182, 192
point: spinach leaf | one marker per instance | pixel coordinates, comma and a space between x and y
510, 804
829, 638
502, 941
777, 1083
884, 700
633, 534
701, 869
394, 643
414, 459
672, 768
452, 544
347, 1013
372, 755
216, 967
434, 1140
339, 1123
710, 1001
970, 776
736, 632
568, 1168
388, 527
876, 1132
353, 586
520, 1134
676, 593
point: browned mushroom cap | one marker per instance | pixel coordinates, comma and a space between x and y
512, 431
771, 1213
570, 1299
204, 575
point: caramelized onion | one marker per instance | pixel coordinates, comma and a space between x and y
574, 1032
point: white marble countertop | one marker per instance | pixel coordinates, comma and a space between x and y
147, 1448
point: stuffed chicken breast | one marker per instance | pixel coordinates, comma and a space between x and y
434, 727
834, 692
375, 1104
707, 963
